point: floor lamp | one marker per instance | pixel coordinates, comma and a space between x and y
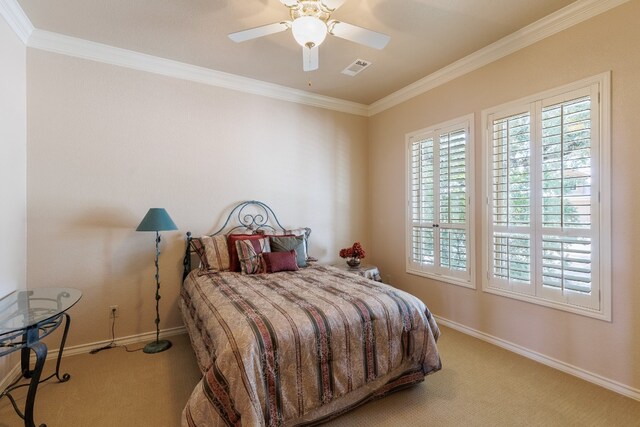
157, 219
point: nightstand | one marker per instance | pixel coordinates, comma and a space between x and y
368, 271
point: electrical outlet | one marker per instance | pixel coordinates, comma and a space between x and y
114, 311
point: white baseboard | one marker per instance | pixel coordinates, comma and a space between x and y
607, 383
10, 377
131, 339
86, 348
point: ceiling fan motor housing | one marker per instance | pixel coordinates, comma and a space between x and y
313, 8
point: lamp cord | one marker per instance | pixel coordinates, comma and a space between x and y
113, 344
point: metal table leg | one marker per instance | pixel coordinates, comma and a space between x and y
65, 377
31, 338
40, 349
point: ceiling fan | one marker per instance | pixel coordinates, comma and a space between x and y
310, 23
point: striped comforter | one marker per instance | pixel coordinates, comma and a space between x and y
294, 348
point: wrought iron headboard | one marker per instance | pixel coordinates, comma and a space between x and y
260, 218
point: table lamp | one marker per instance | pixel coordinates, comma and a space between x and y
157, 219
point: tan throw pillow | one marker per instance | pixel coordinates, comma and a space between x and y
213, 252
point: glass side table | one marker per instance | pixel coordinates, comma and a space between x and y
26, 317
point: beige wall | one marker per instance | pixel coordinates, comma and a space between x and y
13, 165
13, 143
607, 42
107, 143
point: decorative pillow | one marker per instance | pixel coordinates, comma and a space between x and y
279, 261
288, 243
303, 231
249, 251
212, 251
234, 263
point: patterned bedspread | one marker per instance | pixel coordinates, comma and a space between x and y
297, 348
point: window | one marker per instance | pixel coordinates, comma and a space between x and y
547, 220
439, 237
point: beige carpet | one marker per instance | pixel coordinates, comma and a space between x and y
480, 385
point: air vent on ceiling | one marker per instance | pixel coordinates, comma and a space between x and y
357, 66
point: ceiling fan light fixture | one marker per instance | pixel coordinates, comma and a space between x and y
309, 31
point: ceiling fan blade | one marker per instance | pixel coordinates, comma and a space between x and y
358, 34
309, 58
264, 30
330, 4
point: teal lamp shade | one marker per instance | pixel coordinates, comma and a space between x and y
157, 219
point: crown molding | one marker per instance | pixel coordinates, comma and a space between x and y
11, 11
85, 49
564, 18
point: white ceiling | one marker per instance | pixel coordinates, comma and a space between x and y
426, 35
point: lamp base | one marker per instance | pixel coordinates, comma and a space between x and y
157, 346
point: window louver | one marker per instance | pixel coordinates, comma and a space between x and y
511, 171
453, 249
566, 165
512, 257
566, 263
453, 177
566, 196
422, 203
511, 196
422, 246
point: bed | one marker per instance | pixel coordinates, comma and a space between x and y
293, 346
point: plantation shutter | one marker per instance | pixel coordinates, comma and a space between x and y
452, 225
543, 199
511, 253
569, 198
422, 253
439, 202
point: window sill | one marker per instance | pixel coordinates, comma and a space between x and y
442, 278
583, 311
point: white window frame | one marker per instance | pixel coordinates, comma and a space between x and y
600, 86
443, 274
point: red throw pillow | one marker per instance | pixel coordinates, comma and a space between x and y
280, 261
234, 261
